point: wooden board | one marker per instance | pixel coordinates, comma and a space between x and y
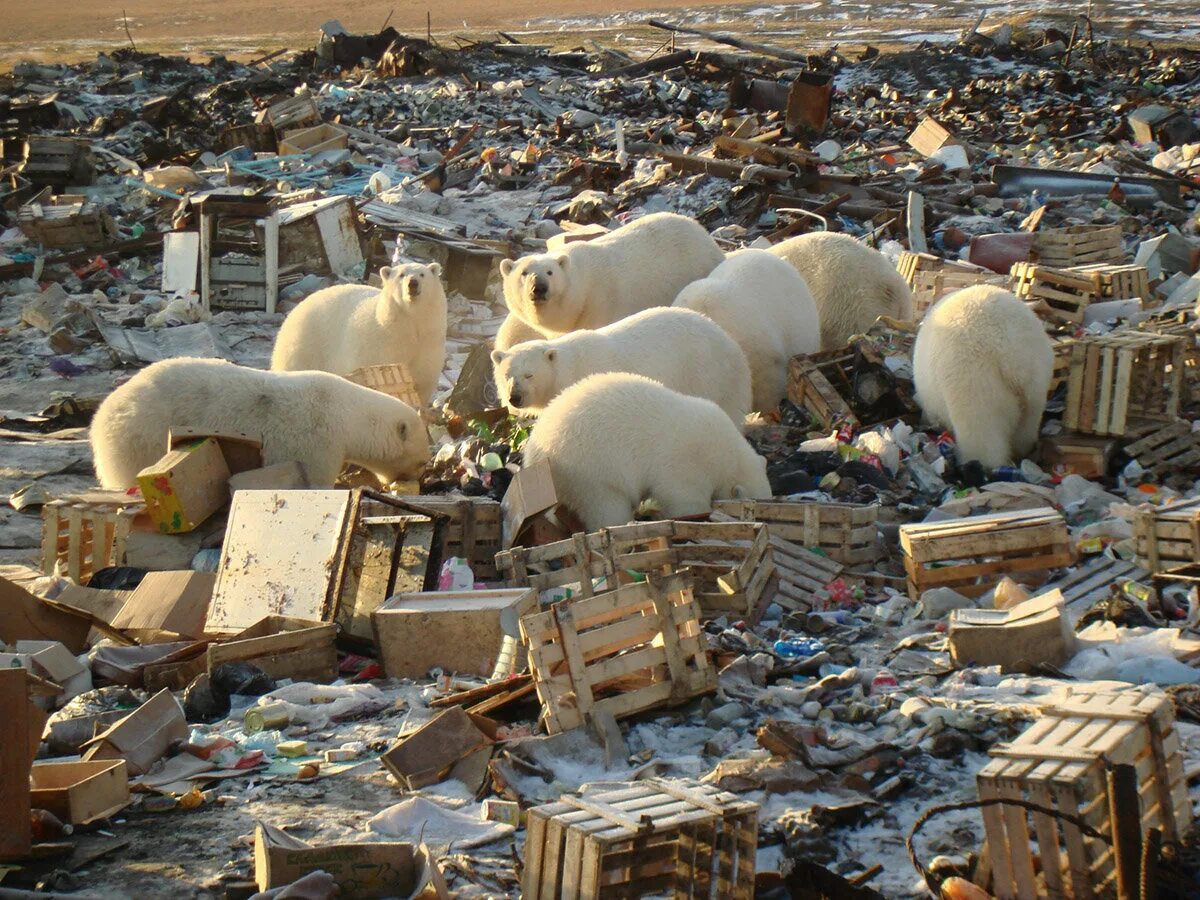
282, 647
472, 529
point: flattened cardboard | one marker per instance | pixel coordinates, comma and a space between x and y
429, 754
168, 605
17, 750
52, 661
242, 452
1018, 639
144, 736
186, 486
24, 616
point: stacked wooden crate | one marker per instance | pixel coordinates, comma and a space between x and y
57, 162
1183, 325
1062, 295
1123, 381
931, 278
1078, 245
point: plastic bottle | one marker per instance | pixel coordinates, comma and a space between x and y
798, 648
45, 826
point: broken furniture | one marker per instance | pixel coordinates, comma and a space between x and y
283, 647
66, 221
845, 532
1167, 536
680, 838
472, 529
1123, 381
321, 237
1063, 295
80, 792
239, 251
931, 278
972, 554
625, 650
1060, 762
85, 533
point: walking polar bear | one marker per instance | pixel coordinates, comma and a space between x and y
982, 366
347, 326
765, 306
678, 348
594, 283
614, 440
320, 420
852, 283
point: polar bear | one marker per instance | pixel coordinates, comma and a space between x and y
616, 439
315, 418
766, 307
982, 367
679, 348
344, 327
852, 283
515, 330
594, 283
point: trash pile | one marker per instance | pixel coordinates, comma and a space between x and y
904, 674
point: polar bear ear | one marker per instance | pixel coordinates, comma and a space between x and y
506, 266
385, 273
551, 354
436, 269
561, 259
498, 357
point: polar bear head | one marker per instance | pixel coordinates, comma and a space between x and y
412, 285
384, 435
747, 477
527, 375
538, 289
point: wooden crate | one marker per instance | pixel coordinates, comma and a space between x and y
619, 652
1183, 325
82, 536
80, 792
391, 379
681, 839
731, 562
298, 111
845, 532
810, 390
852, 385
1063, 295
56, 161
472, 529
1166, 536
971, 555
1171, 448
1122, 382
931, 278
66, 221
283, 647
1078, 245
1059, 762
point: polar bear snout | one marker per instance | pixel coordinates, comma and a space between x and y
413, 286
539, 289
515, 396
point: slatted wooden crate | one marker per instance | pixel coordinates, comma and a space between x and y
298, 111
392, 379
472, 529
1063, 295
1171, 448
846, 532
852, 385
1167, 536
1078, 245
620, 652
971, 555
1123, 381
82, 536
932, 278
68, 220
56, 161
810, 390
1059, 762
1183, 325
639, 839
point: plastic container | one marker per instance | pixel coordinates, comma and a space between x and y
798, 648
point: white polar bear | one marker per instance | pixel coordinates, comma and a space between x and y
982, 366
315, 418
344, 327
766, 307
852, 283
595, 283
515, 330
616, 439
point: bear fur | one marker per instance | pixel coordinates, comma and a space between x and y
315, 418
616, 439
344, 327
982, 366
515, 330
765, 306
679, 348
590, 284
852, 283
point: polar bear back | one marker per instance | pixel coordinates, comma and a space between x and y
767, 308
312, 336
853, 284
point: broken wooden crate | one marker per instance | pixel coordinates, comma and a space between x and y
1181, 324
1123, 381
1063, 295
853, 385
931, 278
66, 221
845, 532
1171, 448
972, 554
1167, 536
1077, 245
636, 647
1059, 762
81, 535
57, 162
283, 647
297, 111
472, 529
681, 839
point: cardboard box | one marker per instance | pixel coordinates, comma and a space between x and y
1017, 639
526, 509
366, 871
242, 452
285, 476
167, 606
430, 754
143, 737
52, 661
80, 792
186, 486
283, 647
457, 631
26, 617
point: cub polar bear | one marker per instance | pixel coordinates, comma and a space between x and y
318, 419
593, 283
677, 347
766, 307
982, 366
616, 439
344, 327
852, 283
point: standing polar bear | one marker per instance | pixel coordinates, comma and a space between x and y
614, 440
347, 326
852, 283
594, 283
317, 419
765, 306
982, 368
676, 347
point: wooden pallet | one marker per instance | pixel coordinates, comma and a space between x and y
1062, 296
82, 536
646, 837
1078, 245
1171, 448
931, 278
620, 652
845, 532
732, 563
1123, 381
472, 529
68, 220
1059, 762
1166, 536
1085, 585
391, 379
971, 555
